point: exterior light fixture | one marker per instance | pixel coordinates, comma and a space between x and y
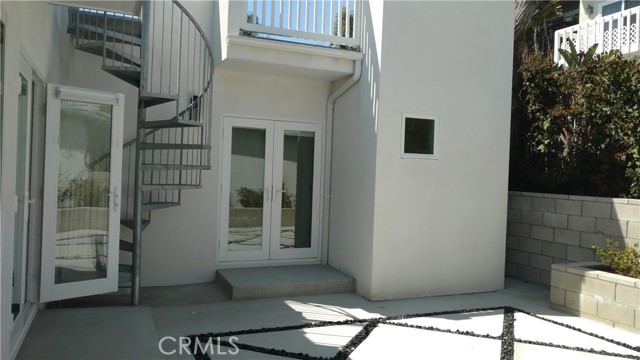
589, 9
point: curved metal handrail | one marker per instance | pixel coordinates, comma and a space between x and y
194, 103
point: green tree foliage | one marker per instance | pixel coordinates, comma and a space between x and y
573, 58
530, 36
248, 33
343, 25
583, 136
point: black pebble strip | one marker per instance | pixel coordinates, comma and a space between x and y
508, 334
507, 337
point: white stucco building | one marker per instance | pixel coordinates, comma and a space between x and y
381, 152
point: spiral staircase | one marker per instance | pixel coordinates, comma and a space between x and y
167, 56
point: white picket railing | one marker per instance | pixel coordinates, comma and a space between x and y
311, 20
618, 31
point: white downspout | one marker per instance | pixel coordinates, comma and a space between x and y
333, 97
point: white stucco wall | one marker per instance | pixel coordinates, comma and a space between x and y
353, 163
180, 245
584, 15
439, 224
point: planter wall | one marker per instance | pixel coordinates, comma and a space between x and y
545, 229
599, 295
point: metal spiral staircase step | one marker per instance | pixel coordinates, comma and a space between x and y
124, 268
126, 246
90, 32
129, 223
111, 51
126, 24
158, 205
153, 146
153, 99
171, 123
168, 187
156, 167
130, 74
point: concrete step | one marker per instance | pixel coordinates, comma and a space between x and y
280, 281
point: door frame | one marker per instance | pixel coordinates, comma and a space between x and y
30, 278
24, 203
223, 261
49, 291
276, 253
244, 255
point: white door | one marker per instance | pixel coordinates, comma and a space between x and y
270, 191
81, 217
22, 190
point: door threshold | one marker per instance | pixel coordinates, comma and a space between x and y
281, 281
266, 263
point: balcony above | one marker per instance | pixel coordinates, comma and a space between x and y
299, 38
619, 31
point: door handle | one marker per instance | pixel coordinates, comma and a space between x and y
116, 195
267, 191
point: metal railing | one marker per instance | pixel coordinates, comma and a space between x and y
167, 55
333, 22
619, 31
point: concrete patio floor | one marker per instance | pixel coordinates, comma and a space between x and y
447, 327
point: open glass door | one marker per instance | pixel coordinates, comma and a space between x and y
81, 217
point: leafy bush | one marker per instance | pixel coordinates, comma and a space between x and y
624, 262
583, 126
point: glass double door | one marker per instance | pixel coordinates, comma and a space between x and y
270, 191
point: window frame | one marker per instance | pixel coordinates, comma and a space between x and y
436, 136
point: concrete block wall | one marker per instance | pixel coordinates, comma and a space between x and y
599, 295
546, 229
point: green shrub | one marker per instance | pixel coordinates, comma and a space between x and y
583, 126
624, 262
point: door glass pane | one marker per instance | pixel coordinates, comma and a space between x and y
83, 187
246, 198
21, 220
297, 189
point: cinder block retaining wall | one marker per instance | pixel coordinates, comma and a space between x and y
599, 295
545, 229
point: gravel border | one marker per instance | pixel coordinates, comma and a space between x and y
507, 337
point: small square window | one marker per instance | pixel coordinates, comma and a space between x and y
419, 136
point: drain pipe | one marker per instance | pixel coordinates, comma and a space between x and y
333, 97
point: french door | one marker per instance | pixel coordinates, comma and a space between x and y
81, 216
22, 190
270, 190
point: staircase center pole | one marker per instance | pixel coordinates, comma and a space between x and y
137, 193
137, 211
